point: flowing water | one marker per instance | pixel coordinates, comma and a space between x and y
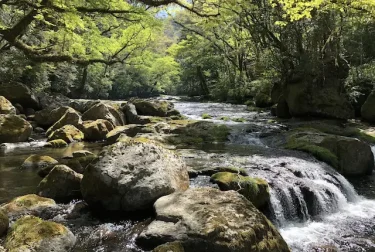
314, 207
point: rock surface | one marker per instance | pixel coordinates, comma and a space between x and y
30, 233
39, 162
19, 93
61, 184
106, 112
96, 130
47, 117
4, 222
68, 133
131, 176
154, 108
206, 219
71, 117
6, 107
368, 108
28, 204
14, 129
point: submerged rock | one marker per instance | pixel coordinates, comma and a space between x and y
14, 129
68, 133
6, 107
30, 233
39, 162
28, 204
4, 222
254, 189
19, 93
106, 112
131, 176
61, 184
206, 219
96, 130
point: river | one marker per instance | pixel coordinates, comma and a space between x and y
337, 215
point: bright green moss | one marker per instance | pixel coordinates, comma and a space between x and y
241, 119
206, 116
225, 118
58, 143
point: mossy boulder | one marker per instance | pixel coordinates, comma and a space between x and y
6, 107
14, 129
68, 133
58, 143
47, 117
154, 108
19, 93
79, 163
130, 130
28, 204
170, 247
39, 162
70, 117
130, 176
254, 189
349, 156
105, 112
31, 233
4, 222
61, 184
96, 130
368, 108
206, 219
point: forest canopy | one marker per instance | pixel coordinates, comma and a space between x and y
227, 50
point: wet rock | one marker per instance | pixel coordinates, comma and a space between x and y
96, 130
170, 247
349, 156
82, 153
61, 184
367, 110
70, 117
209, 171
106, 112
131, 176
6, 107
39, 130
47, 117
28, 204
58, 143
154, 108
79, 163
254, 189
4, 222
68, 133
131, 114
206, 219
30, 233
130, 130
39, 162
14, 129
19, 93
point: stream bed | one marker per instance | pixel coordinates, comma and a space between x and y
314, 207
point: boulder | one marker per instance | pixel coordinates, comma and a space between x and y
130, 130
6, 107
131, 114
83, 105
52, 100
39, 162
206, 219
82, 153
349, 156
96, 130
106, 112
58, 143
28, 204
4, 222
79, 163
325, 99
47, 117
19, 93
368, 108
254, 189
31, 233
170, 247
68, 133
61, 184
19, 109
154, 108
131, 176
14, 129
71, 117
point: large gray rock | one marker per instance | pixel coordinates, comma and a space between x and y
71, 117
30, 233
307, 98
206, 219
368, 108
154, 108
131, 176
47, 117
106, 112
19, 93
14, 129
6, 107
61, 184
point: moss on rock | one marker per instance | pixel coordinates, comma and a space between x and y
206, 116
68, 133
58, 143
28, 203
14, 129
254, 189
38, 162
170, 247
